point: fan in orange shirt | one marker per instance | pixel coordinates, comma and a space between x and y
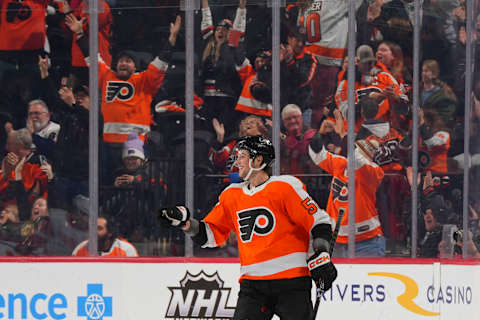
278, 226
109, 243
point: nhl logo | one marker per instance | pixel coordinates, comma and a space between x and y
200, 296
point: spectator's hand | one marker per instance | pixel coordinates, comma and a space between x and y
174, 30
339, 124
219, 129
19, 168
123, 180
410, 178
390, 93
269, 122
11, 161
459, 13
326, 127
282, 52
288, 53
421, 118
47, 168
242, 4
30, 126
66, 94
75, 25
428, 180
374, 10
8, 127
473, 212
43, 66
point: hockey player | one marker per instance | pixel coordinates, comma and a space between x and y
274, 219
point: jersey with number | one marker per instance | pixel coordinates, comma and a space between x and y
22, 24
272, 222
119, 248
368, 177
326, 24
126, 103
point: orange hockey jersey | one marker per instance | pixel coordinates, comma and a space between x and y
119, 248
126, 104
368, 177
22, 24
247, 102
437, 147
272, 222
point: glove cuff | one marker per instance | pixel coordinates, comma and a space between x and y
318, 260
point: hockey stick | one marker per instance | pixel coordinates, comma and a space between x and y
320, 285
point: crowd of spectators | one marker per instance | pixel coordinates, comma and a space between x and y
44, 117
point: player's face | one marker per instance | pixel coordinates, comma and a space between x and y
125, 67
385, 55
293, 122
242, 162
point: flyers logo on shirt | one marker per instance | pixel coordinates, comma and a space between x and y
259, 221
120, 90
339, 189
18, 10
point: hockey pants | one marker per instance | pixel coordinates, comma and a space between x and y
290, 299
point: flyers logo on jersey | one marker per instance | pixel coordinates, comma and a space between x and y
120, 90
339, 189
260, 221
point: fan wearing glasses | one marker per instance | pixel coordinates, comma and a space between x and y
44, 132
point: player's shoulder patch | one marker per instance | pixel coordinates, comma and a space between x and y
294, 182
238, 185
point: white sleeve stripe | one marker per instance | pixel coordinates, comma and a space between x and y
160, 64
245, 63
321, 156
437, 139
211, 243
80, 246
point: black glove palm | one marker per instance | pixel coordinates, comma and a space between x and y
322, 269
174, 216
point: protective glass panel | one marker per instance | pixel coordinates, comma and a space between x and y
44, 118
234, 80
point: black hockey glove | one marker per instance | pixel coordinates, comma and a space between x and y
174, 216
322, 269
